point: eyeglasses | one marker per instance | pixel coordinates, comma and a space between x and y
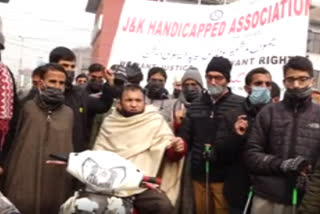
216, 78
301, 80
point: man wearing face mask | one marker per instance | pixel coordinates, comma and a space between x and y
202, 126
96, 77
83, 106
44, 127
236, 185
119, 80
156, 93
284, 142
192, 87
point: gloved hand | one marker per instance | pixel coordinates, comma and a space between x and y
294, 165
134, 73
302, 182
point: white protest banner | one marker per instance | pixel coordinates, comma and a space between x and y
174, 36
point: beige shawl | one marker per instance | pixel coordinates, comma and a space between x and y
143, 139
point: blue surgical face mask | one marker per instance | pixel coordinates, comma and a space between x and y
259, 95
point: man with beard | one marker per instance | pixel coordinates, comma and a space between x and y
156, 93
140, 134
96, 77
239, 120
192, 87
84, 107
201, 127
284, 142
44, 127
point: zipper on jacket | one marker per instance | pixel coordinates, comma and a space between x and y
294, 131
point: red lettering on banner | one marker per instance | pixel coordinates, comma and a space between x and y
174, 29
140, 26
222, 28
289, 8
132, 26
207, 30
255, 19
240, 24
270, 10
184, 34
124, 28
233, 26
200, 30
263, 19
307, 7
159, 29
298, 10
166, 30
276, 13
193, 31
152, 27
215, 27
282, 3
180, 29
246, 27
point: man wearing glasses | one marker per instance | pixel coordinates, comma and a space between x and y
284, 143
201, 126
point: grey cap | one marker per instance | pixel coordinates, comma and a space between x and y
1, 41
193, 74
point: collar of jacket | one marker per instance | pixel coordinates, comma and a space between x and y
206, 98
300, 105
252, 110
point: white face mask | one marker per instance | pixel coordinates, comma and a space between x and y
216, 90
259, 95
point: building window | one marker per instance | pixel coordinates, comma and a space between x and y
314, 42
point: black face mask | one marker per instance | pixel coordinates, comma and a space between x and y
176, 93
191, 93
51, 98
70, 78
95, 86
299, 94
156, 90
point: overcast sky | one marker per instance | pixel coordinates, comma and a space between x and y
33, 27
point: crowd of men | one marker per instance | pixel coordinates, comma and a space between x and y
216, 152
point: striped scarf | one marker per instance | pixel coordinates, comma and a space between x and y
6, 102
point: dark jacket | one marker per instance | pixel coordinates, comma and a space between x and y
202, 126
85, 107
311, 200
281, 131
237, 181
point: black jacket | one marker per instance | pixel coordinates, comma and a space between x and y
281, 131
85, 107
204, 125
237, 181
